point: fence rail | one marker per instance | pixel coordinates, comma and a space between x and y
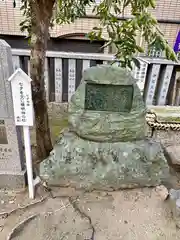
63, 71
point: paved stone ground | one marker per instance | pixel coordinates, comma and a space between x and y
128, 215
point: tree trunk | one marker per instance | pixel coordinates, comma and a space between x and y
41, 11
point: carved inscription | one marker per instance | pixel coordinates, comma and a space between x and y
112, 98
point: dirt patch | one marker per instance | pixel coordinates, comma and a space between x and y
128, 215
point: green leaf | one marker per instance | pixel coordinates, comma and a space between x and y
121, 34
22, 7
140, 49
96, 28
152, 3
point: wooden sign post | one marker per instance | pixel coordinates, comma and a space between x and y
23, 114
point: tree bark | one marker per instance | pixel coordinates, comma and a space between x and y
41, 11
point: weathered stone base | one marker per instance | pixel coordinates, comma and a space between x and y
174, 200
11, 180
91, 165
167, 137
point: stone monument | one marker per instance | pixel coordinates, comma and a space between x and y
12, 169
105, 145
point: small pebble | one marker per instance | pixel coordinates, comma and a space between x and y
2, 201
11, 201
162, 191
103, 194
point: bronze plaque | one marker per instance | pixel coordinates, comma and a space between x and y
3, 134
111, 98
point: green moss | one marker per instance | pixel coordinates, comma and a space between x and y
167, 114
169, 119
56, 129
164, 109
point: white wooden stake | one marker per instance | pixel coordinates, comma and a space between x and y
27, 145
23, 114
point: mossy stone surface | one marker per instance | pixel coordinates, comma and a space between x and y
92, 165
105, 126
169, 114
106, 149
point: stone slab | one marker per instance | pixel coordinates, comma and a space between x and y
174, 200
173, 157
174, 153
13, 180
92, 165
166, 113
167, 137
11, 153
12, 162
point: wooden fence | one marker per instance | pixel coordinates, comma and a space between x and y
63, 70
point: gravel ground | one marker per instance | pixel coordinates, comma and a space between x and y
138, 214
